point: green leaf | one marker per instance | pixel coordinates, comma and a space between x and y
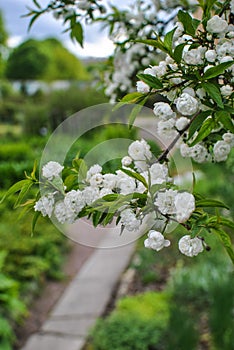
187, 21
24, 190
150, 80
15, 188
133, 97
214, 220
135, 111
111, 197
157, 43
108, 219
33, 173
77, 33
198, 121
217, 70
178, 52
168, 40
229, 109
96, 218
33, 19
135, 176
204, 131
34, 220
81, 167
214, 92
71, 181
57, 183
210, 203
37, 3
225, 118
224, 237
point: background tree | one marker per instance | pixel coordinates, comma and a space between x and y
44, 60
3, 43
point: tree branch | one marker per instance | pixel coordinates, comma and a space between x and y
172, 144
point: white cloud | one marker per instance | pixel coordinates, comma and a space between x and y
14, 41
103, 47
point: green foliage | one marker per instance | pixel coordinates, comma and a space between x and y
137, 323
147, 306
31, 259
11, 308
44, 60
181, 333
221, 319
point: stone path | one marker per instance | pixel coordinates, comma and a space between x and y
87, 296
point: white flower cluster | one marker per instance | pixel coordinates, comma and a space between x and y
75, 8
140, 174
125, 66
188, 98
140, 20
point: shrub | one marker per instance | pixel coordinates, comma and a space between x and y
15, 151
137, 323
31, 259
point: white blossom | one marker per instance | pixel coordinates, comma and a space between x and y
185, 150
93, 170
199, 153
139, 150
194, 56
221, 150
51, 170
96, 180
141, 165
179, 30
216, 25
190, 246
158, 173
90, 195
167, 128
165, 201
186, 104
45, 205
126, 161
142, 87
181, 123
163, 111
74, 200
109, 181
150, 71
211, 55
189, 91
129, 220
63, 213
184, 205
156, 241
228, 137
126, 185
226, 90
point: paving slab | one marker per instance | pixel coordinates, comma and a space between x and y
53, 342
75, 327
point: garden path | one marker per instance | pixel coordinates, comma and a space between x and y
88, 294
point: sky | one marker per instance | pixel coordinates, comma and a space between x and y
96, 42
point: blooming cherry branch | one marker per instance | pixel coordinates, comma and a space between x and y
194, 86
